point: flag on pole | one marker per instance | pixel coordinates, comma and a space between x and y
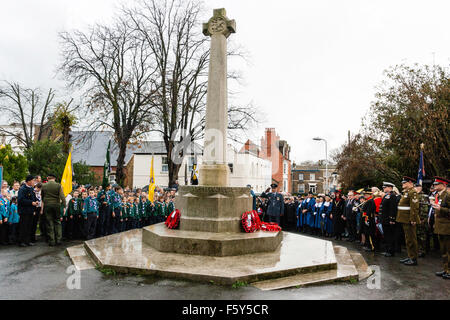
66, 180
106, 168
194, 175
151, 185
421, 173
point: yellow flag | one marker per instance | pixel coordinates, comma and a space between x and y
66, 181
151, 185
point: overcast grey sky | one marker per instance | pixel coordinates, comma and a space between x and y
314, 64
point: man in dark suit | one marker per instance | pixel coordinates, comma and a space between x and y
275, 204
26, 206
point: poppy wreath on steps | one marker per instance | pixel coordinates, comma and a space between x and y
270, 226
173, 220
250, 221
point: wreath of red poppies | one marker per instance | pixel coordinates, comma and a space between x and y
173, 220
251, 223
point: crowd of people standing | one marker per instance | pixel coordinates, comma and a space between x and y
380, 220
85, 213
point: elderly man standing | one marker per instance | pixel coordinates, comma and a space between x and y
52, 197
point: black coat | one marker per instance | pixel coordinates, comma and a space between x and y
348, 210
338, 211
25, 197
388, 208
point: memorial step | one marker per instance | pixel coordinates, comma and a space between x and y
80, 258
346, 271
361, 265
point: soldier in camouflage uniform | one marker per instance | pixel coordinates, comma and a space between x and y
423, 229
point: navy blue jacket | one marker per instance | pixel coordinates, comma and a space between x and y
24, 199
275, 205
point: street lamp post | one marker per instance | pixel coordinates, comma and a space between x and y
326, 162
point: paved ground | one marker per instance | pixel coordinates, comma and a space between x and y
39, 272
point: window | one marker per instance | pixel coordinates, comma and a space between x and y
284, 168
231, 167
312, 176
301, 188
300, 177
165, 165
313, 188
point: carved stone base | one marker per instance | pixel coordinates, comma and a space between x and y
210, 243
212, 209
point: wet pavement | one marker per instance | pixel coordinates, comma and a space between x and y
39, 272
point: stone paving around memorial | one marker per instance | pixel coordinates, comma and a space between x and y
39, 272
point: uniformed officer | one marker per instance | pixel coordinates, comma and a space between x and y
104, 212
26, 205
275, 205
388, 214
408, 216
52, 199
423, 228
368, 220
441, 207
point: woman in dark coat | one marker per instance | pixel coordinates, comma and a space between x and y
338, 211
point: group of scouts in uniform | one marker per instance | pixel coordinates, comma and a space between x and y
97, 213
83, 214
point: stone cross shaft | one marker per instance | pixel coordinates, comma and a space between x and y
214, 171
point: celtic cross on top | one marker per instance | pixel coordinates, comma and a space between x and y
219, 24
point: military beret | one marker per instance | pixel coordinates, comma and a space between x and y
408, 179
439, 180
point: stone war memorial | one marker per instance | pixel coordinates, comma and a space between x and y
210, 244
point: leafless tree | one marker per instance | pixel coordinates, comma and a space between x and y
116, 69
172, 31
26, 112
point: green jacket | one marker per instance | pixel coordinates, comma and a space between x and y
75, 207
408, 207
52, 194
442, 217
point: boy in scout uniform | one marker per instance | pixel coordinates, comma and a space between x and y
441, 207
74, 209
408, 216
